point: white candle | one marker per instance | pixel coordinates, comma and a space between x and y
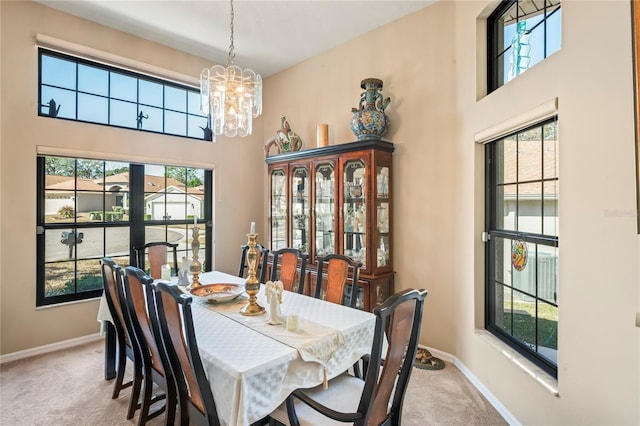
195, 220
252, 230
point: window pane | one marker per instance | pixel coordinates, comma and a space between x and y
550, 151
123, 114
92, 243
150, 93
550, 208
530, 207
554, 33
505, 213
525, 280
175, 123
506, 151
530, 155
93, 80
58, 72
150, 119
117, 243
177, 204
89, 275
57, 243
196, 125
124, 87
548, 331
175, 99
548, 273
59, 103
503, 260
502, 307
524, 319
182, 235
59, 278
93, 108
59, 206
89, 206
193, 103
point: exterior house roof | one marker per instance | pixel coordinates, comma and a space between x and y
69, 185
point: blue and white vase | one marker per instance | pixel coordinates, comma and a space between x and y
369, 119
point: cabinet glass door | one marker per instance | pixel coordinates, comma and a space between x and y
354, 213
382, 215
325, 209
300, 209
278, 209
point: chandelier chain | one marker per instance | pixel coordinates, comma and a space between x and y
231, 46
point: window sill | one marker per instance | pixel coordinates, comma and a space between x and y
539, 375
73, 302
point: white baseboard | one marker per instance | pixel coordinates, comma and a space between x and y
506, 414
14, 356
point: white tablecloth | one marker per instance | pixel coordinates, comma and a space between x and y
253, 366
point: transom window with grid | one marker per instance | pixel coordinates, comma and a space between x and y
522, 257
520, 34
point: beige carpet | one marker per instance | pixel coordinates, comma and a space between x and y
67, 388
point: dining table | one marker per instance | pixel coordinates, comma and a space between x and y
252, 365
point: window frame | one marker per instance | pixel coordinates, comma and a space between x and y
136, 225
490, 261
495, 39
139, 105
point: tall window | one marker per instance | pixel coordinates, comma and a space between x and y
520, 33
75, 89
89, 209
522, 256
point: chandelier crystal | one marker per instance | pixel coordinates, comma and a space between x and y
231, 95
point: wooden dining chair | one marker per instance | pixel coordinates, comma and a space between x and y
114, 294
285, 267
378, 399
261, 263
139, 293
158, 254
196, 402
337, 269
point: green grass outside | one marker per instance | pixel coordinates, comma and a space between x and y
524, 324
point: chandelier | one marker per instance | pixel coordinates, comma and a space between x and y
231, 95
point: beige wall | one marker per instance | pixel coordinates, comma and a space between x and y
435, 77
237, 164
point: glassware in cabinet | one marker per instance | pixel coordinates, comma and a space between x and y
325, 233
300, 209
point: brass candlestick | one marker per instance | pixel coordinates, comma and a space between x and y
252, 285
196, 266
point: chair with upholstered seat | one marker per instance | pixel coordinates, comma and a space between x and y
113, 292
261, 263
140, 299
157, 254
176, 324
287, 264
337, 269
378, 399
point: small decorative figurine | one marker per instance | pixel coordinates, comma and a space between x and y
273, 291
285, 140
183, 272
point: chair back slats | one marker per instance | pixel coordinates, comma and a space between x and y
197, 405
399, 335
174, 331
338, 270
337, 274
111, 276
289, 263
157, 254
398, 320
142, 325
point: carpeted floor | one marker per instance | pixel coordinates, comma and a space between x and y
67, 388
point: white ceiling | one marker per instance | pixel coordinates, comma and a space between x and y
269, 35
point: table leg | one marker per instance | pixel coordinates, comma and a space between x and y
109, 351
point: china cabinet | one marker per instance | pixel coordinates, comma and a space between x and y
337, 199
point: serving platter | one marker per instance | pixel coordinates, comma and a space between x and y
217, 293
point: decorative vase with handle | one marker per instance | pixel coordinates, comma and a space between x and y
369, 119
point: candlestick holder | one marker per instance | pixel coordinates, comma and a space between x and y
252, 285
196, 267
